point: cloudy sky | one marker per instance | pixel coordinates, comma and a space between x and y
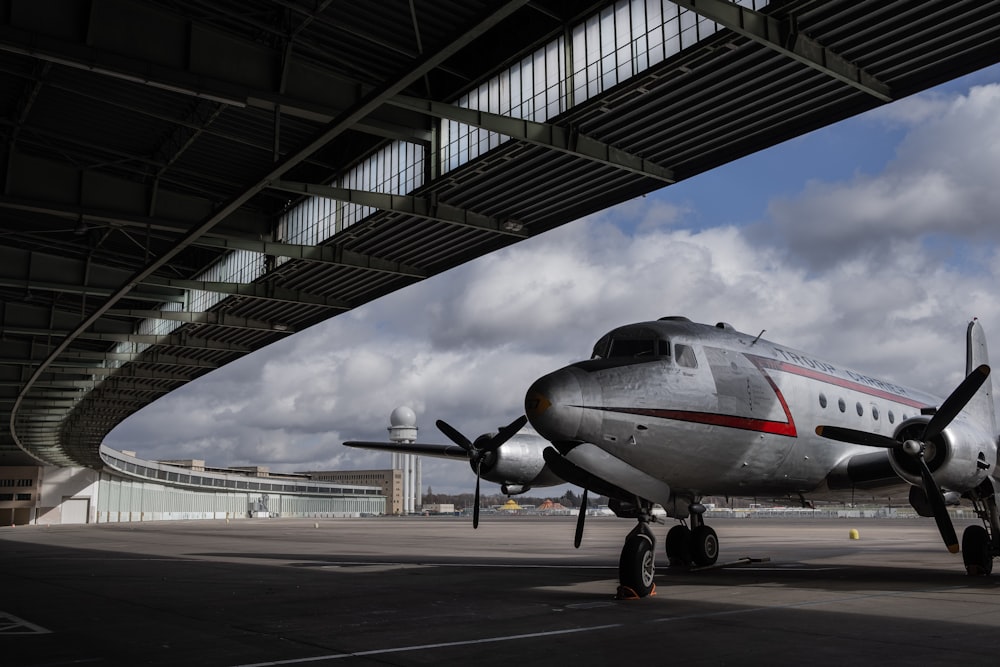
871, 243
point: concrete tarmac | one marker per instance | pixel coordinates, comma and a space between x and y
431, 591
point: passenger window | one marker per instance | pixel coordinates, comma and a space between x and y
822, 400
685, 356
842, 405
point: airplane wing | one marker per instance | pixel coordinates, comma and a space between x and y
417, 448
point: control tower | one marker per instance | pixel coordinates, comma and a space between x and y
403, 430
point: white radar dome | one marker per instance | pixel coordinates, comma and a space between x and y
403, 416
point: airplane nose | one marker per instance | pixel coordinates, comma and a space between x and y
554, 404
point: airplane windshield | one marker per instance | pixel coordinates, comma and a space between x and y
630, 343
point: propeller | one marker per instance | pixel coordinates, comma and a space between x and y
478, 450
580, 519
944, 415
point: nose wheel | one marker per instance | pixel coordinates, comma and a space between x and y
637, 565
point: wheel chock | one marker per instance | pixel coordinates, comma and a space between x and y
626, 593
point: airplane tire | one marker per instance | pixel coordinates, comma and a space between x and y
704, 546
637, 565
976, 551
678, 546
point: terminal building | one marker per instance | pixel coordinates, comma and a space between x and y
389, 482
131, 489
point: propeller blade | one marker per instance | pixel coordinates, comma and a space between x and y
505, 433
478, 450
854, 437
956, 402
936, 500
475, 502
453, 435
580, 518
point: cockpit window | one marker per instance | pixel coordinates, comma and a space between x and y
630, 343
685, 356
601, 348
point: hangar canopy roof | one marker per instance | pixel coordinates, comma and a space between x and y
187, 181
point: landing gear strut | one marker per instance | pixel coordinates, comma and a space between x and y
678, 545
980, 544
637, 564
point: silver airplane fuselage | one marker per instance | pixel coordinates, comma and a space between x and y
673, 408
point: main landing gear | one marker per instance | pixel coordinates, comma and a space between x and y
696, 546
981, 544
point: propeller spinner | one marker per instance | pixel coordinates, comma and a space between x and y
480, 449
916, 448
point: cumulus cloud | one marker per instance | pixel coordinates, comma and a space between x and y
942, 182
880, 273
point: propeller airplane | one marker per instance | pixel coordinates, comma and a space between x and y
666, 413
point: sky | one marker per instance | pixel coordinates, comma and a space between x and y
870, 244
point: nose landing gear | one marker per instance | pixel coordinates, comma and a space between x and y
637, 564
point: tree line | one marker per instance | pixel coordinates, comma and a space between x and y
568, 499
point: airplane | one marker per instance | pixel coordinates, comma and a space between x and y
668, 412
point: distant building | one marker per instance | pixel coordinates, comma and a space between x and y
19, 489
390, 481
439, 508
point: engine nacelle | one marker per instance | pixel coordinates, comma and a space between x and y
518, 465
960, 457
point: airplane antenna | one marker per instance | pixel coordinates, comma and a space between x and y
758, 337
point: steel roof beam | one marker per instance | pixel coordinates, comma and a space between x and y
214, 318
264, 291
307, 253
150, 357
68, 288
129, 373
86, 357
107, 217
422, 207
75, 288
782, 36
65, 383
548, 135
172, 340
219, 239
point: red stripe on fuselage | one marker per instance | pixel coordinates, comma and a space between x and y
764, 363
713, 419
